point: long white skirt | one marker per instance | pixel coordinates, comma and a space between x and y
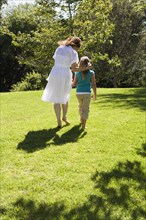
59, 85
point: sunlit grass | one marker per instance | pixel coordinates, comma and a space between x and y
48, 173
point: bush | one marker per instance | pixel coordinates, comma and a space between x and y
32, 81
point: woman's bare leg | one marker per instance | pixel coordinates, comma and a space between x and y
57, 110
64, 110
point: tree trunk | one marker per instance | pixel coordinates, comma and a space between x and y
114, 81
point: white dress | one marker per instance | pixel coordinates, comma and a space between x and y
59, 81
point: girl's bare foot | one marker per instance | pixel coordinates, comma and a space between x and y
84, 128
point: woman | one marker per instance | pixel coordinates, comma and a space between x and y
58, 88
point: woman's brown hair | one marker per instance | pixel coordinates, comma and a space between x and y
71, 41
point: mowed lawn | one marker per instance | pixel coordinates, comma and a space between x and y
51, 174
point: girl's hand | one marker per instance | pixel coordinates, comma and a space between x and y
94, 98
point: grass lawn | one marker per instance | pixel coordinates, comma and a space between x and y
70, 174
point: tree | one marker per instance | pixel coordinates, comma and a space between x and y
2, 2
11, 70
113, 33
92, 23
13, 24
123, 44
37, 46
33, 32
68, 10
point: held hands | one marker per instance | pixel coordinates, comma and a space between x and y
88, 67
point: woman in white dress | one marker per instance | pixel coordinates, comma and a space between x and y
58, 88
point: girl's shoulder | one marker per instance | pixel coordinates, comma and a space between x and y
91, 72
78, 73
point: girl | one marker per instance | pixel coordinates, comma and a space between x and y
83, 80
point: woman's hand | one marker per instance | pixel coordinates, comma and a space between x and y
89, 66
74, 82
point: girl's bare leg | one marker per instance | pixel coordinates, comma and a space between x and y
57, 110
83, 123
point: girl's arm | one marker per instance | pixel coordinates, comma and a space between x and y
76, 68
74, 83
94, 86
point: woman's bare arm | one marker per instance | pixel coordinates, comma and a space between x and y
74, 83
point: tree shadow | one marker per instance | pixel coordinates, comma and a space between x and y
28, 210
117, 195
142, 151
135, 99
38, 140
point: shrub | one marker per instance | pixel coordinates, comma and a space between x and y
31, 81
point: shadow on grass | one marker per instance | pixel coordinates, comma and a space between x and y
142, 151
121, 192
29, 210
118, 194
37, 140
135, 99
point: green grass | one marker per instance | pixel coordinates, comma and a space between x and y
51, 174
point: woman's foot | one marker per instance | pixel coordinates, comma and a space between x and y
66, 121
59, 124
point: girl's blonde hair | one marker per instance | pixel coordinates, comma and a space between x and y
85, 61
71, 41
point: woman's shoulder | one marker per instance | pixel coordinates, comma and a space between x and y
63, 50
61, 47
72, 50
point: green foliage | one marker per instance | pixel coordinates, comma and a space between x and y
33, 32
127, 36
68, 9
113, 33
22, 19
37, 47
2, 2
11, 70
19, 20
93, 24
32, 81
